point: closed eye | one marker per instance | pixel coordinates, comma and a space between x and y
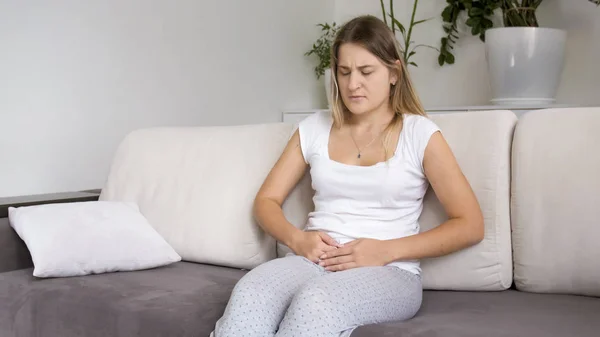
365, 73
364, 70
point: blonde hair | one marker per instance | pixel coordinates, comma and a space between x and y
374, 35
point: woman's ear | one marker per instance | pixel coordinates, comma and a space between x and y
396, 74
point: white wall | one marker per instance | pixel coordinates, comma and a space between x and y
581, 76
77, 76
466, 82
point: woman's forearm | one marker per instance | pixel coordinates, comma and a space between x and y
271, 219
451, 236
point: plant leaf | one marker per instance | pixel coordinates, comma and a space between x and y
486, 23
424, 45
421, 21
468, 4
383, 12
476, 11
441, 59
400, 26
472, 22
447, 13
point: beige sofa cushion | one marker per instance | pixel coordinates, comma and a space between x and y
556, 201
196, 187
481, 142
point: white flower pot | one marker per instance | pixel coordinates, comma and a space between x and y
524, 64
327, 80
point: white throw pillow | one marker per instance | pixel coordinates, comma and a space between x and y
82, 238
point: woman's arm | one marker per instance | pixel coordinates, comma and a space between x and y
464, 227
283, 177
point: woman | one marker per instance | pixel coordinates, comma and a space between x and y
371, 160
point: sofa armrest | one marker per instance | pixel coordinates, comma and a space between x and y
13, 251
14, 254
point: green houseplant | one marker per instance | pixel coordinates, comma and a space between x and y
322, 48
524, 60
408, 48
515, 13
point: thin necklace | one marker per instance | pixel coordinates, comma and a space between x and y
366, 146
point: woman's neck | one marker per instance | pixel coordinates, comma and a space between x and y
372, 120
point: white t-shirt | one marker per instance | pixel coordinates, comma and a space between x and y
382, 201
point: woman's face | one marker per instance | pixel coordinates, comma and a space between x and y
363, 80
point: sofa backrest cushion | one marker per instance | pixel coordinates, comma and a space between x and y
556, 201
196, 187
481, 143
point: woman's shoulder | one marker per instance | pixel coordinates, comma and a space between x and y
417, 130
416, 120
417, 125
313, 131
316, 122
320, 117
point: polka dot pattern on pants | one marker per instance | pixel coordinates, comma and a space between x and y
292, 296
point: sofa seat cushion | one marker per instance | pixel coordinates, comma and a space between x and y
186, 299
491, 314
182, 299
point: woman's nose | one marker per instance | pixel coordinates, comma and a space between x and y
354, 81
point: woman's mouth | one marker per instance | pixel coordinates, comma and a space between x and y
356, 98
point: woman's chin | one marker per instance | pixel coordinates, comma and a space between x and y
357, 107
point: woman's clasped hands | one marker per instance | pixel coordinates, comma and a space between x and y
320, 248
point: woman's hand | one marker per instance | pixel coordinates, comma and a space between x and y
358, 253
312, 244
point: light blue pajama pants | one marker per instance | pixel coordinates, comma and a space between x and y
294, 297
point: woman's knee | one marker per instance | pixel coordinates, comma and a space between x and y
257, 277
314, 298
313, 311
274, 281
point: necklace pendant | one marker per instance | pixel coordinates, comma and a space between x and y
358, 156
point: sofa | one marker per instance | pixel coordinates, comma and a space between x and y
535, 273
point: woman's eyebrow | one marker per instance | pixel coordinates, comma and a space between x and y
359, 67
